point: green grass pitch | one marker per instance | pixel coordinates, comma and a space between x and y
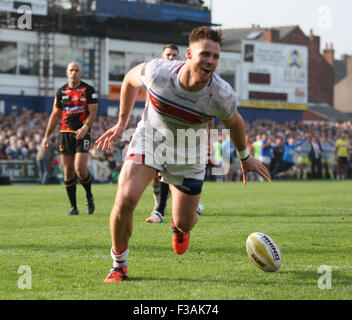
68, 257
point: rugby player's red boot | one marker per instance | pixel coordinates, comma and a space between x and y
180, 240
117, 274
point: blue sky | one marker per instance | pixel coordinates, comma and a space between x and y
329, 19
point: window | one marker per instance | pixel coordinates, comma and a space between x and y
259, 78
28, 59
268, 96
8, 57
249, 53
116, 65
85, 58
133, 59
121, 62
62, 57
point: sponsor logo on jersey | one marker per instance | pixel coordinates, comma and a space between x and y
73, 110
185, 98
175, 110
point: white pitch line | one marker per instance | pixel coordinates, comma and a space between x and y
290, 266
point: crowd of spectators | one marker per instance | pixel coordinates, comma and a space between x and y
291, 150
299, 150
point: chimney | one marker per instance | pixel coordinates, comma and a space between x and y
311, 36
349, 66
328, 54
344, 57
314, 42
271, 35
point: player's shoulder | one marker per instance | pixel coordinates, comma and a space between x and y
222, 88
165, 66
61, 90
159, 71
224, 98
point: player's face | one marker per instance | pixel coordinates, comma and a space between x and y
204, 58
170, 54
73, 72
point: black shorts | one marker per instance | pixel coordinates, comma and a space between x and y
69, 144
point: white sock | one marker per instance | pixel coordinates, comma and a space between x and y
119, 260
156, 194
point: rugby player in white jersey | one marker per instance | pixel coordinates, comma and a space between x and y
182, 95
161, 190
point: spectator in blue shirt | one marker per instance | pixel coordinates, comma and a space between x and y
289, 151
265, 154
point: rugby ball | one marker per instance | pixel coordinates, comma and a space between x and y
263, 252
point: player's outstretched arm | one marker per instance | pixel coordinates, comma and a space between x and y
129, 92
239, 139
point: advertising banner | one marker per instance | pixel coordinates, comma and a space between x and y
19, 170
275, 75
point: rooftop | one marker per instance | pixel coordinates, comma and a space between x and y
234, 37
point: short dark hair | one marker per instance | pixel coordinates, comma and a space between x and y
171, 46
205, 33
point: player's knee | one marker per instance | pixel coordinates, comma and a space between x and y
184, 224
125, 204
81, 173
69, 175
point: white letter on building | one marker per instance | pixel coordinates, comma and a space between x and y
25, 21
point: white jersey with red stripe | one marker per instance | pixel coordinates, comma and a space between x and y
174, 108
171, 136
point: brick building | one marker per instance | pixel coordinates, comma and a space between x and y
320, 65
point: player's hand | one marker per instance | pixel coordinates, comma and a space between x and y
254, 165
45, 143
105, 141
81, 133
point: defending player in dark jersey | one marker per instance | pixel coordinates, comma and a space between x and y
76, 106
